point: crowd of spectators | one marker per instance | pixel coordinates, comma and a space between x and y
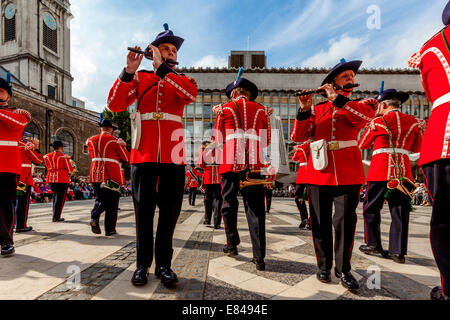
79, 189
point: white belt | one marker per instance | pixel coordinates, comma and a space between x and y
337, 145
26, 165
389, 150
212, 165
243, 136
441, 100
9, 143
106, 160
160, 116
303, 164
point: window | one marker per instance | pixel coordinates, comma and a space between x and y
236, 60
32, 130
50, 38
67, 139
74, 103
51, 92
85, 149
10, 29
258, 61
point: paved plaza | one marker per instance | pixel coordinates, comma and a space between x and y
67, 261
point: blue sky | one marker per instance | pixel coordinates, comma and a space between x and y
293, 33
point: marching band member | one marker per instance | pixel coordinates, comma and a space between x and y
158, 150
212, 185
30, 154
59, 169
393, 135
301, 155
106, 151
335, 172
433, 60
193, 182
12, 123
243, 128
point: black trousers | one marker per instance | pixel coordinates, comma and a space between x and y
108, 201
301, 204
269, 194
158, 184
22, 206
213, 203
59, 198
399, 208
8, 184
254, 210
192, 195
345, 199
437, 176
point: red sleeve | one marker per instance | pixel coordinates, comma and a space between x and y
122, 152
68, 165
35, 157
122, 94
16, 119
186, 88
359, 113
373, 129
91, 148
417, 143
303, 126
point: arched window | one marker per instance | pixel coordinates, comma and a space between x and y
10, 23
32, 130
50, 33
67, 140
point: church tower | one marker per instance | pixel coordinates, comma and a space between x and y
35, 45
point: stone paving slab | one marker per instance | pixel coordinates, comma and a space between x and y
39, 268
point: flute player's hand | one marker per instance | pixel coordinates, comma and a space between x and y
157, 59
133, 61
305, 102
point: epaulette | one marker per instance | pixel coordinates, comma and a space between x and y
268, 110
422, 123
218, 109
24, 112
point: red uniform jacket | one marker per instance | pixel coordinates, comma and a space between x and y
29, 156
206, 161
406, 134
301, 154
12, 124
161, 92
339, 121
104, 149
58, 167
244, 132
434, 63
192, 176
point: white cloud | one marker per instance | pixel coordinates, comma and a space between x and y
345, 47
211, 61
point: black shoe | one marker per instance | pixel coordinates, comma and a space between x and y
437, 294
399, 258
167, 276
26, 229
231, 251
206, 222
58, 220
217, 227
304, 225
374, 251
260, 264
140, 277
95, 227
324, 276
110, 233
8, 250
347, 280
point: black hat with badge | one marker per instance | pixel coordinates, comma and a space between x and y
57, 144
242, 83
106, 123
389, 94
341, 67
167, 36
